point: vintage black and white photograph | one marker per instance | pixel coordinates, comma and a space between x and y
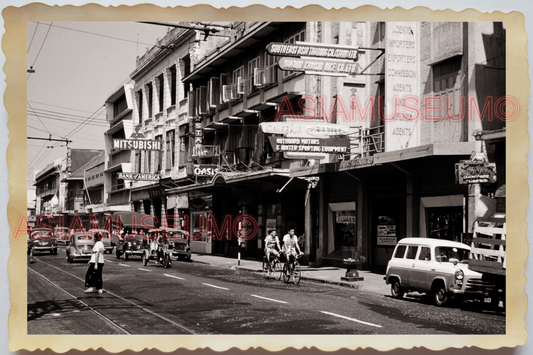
267, 178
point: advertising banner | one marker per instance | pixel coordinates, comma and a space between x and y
138, 176
319, 66
137, 144
334, 145
402, 85
305, 49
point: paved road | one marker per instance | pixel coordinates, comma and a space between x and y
193, 298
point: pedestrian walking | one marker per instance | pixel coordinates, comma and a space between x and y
93, 277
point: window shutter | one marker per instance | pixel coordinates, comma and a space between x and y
214, 92
192, 104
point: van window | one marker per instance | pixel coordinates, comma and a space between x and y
411, 251
425, 254
400, 251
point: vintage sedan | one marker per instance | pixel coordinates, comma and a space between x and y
435, 267
132, 244
179, 241
42, 240
62, 234
106, 239
80, 246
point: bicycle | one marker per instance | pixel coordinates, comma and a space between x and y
295, 271
272, 267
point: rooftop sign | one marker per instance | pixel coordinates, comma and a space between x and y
316, 50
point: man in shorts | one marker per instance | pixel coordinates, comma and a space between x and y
290, 245
272, 245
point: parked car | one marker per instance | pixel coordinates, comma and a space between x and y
132, 244
80, 246
435, 267
62, 234
179, 241
42, 239
106, 239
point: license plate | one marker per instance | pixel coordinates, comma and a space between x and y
86, 251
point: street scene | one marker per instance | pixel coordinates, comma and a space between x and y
269, 178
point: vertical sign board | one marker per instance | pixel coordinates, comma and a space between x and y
402, 64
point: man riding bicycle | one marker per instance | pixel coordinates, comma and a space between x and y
272, 245
290, 245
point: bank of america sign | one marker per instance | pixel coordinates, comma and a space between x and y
138, 176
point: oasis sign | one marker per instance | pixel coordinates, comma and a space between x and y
205, 170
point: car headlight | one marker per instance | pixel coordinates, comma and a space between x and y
459, 276
129, 244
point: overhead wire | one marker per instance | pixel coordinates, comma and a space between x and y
42, 45
32, 37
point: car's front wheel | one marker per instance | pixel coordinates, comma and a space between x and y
440, 296
396, 289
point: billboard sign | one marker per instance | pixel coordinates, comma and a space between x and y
319, 66
138, 176
335, 145
315, 50
137, 144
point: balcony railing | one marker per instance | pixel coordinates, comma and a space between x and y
373, 140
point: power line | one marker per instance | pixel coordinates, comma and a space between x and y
42, 44
101, 35
32, 37
68, 108
38, 118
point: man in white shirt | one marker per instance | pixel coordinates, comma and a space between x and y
290, 245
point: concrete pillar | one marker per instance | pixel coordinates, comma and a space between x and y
152, 209
141, 207
163, 211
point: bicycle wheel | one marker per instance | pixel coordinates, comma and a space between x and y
278, 270
296, 274
286, 275
265, 269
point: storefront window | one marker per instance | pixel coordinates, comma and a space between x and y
200, 230
445, 223
345, 228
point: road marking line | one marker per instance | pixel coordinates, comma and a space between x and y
269, 299
108, 261
179, 278
222, 288
352, 319
124, 265
144, 269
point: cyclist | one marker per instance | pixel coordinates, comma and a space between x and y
271, 245
290, 245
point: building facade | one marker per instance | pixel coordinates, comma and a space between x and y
215, 106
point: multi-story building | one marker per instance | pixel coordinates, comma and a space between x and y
404, 100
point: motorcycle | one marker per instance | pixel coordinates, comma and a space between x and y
160, 254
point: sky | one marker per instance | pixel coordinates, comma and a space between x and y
77, 66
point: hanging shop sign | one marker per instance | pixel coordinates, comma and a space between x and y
301, 128
475, 171
306, 49
197, 204
356, 163
138, 176
205, 170
402, 77
137, 144
319, 66
334, 145
198, 150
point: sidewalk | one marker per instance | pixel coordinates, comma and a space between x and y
372, 282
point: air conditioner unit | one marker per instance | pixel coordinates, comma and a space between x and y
259, 77
241, 85
270, 75
226, 93
214, 92
234, 92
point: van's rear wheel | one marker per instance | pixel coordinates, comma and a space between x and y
396, 289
